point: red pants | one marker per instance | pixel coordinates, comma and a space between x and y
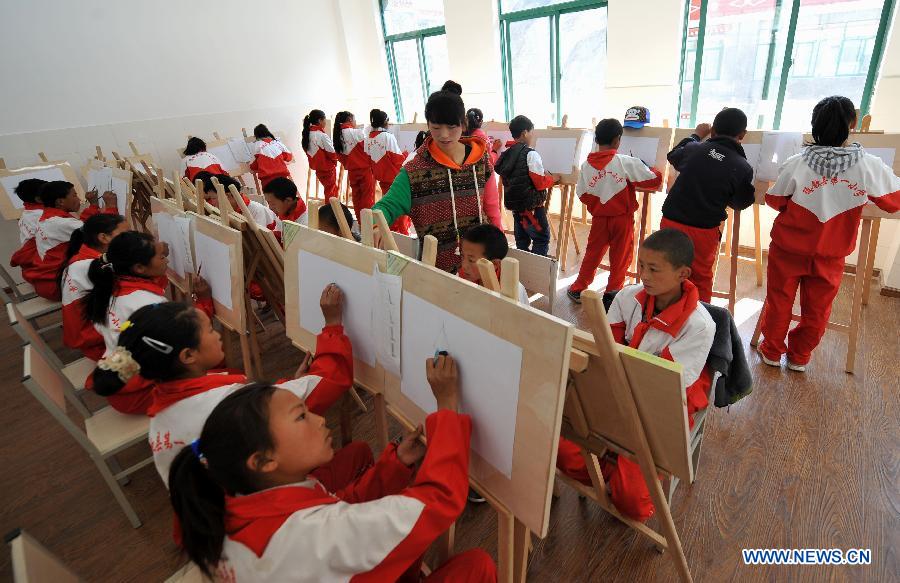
328, 179
627, 487
362, 189
348, 463
403, 222
819, 279
617, 235
472, 566
47, 289
706, 251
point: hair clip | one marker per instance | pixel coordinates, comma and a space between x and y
125, 325
195, 447
156, 345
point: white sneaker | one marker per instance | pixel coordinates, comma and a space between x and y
796, 367
767, 360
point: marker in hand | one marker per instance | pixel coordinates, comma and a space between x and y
439, 353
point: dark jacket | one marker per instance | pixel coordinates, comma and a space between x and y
713, 175
519, 192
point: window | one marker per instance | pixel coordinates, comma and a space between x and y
416, 45
782, 57
554, 59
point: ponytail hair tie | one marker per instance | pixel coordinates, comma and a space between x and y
120, 362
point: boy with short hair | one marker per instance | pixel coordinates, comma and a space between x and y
485, 241
328, 223
607, 185
525, 185
662, 316
713, 175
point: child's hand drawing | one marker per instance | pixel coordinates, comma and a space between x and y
109, 200
200, 286
92, 197
410, 449
332, 304
443, 376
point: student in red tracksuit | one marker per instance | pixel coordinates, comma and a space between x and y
262, 215
820, 195
87, 244
54, 230
474, 119
128, 277
277, 521
386, 158
197, 159
349, 143
320, 151
270, 156
662, 316
282, 198
607, 185
32, 209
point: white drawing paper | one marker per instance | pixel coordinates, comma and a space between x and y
887, 155
389, 291
100, 179
165, 232
223, 153
11, 182
183, 229
502, 135
214, 263
775, 149
752, 153
560, 155
489, 372
406, 139
643, 148
240, 150
120, 187
315, 273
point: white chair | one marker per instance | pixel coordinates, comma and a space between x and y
106, 432
537, 273
21, 291
34, 307
75, 373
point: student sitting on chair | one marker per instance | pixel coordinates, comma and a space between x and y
525, 185
54, 229
252, 506
197, 159
328, 223
32, 209
485, 242
270, 156
262, 215
713, 175
281, 196
130, 275
662, 316
88, 243
607, 185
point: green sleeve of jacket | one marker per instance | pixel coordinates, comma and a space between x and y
398, 199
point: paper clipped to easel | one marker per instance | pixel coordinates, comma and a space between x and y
386, 318
214, 260
11, 182
240, 150
775, 149
643, 148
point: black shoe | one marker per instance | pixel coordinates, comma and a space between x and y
475, 497
574, 295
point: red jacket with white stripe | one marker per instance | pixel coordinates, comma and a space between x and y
353, 156
26, 255
201, 162
78, 332
262, 215
298, 215
682, 333
608, 182
819, 215
373, 530
54, 229
270, 160
180, 407
321, 154
384, 154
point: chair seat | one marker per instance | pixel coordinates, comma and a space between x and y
37, 307
190, 573
77, 372
110, 430
26, 290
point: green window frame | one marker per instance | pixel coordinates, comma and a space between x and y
553, 12
419, 36
789, 52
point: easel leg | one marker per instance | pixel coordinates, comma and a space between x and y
870, 261
254, 338
757, 242
565, 226
246, 355
735, 242
728, 230
381, 421
858, 285
574, 237
505, 547
521, 548
444, 546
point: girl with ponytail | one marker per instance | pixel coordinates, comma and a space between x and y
270, 156
386, 160
820, 194
349, 142
474, 120
251, 504
88, 243
320, 151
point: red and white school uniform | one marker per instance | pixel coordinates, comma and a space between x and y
323, 160
262, 215
386, 158
376, 529
607, 185
682, 333
359, 169
816, 228
270, 160
26, 255
193, 165
296, 215
78, 332
54, 229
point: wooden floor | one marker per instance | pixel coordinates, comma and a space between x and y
808, 460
